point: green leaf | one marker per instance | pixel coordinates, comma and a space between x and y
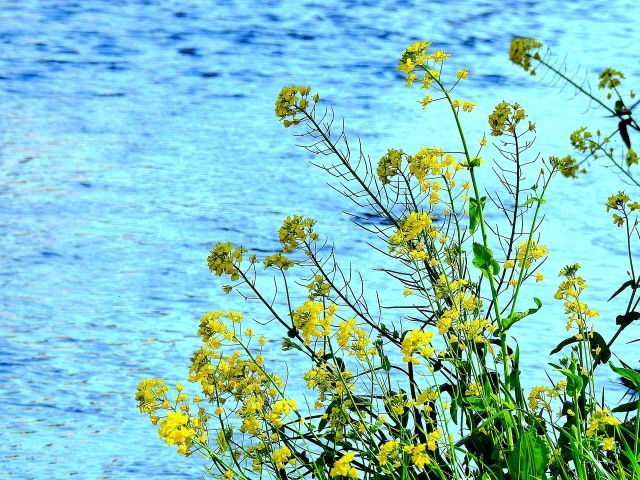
631, 375
530, 456
486, 391
628, 283
542, 201
627, 318
595, 341
515, 378
627, 407
517, 316
384, 360
453, 411
474, 212
574, 383
483, 260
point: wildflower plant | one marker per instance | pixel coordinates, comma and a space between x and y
438, 394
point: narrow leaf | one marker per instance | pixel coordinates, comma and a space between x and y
474, 212
631, 375
628, 283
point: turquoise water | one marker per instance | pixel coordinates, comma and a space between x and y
136, 134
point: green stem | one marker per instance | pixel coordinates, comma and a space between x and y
574, 84
485, 241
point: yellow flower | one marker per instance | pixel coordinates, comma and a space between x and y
281, 457
418, 454
343, 468
224, 259
344, 332
426, 101
607, 443
539, 277
599, 419
474, 390
534, 253
295, 231
462, 74
610, 78
407, 292
389, 165
520, 52
389, 451
483, 142
505, 118
291, 101
278, 260
281, 408
440, 56
417, 341
468, 106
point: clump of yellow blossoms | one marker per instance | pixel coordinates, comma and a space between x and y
620, 203
581, 140
506, 117
178, 427
538, 396
295, 231
411, 229
417, 341
223, 259
314, 320
343, 468
389, 165
292, 101
569, 290
610, 78
535, 252
279, 261
520, 52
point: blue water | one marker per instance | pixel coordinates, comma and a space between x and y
135, 134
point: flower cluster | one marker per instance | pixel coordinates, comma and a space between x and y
278, 260
318, 288
620, 203
417, 341
355, 339
313, 320
460, 317
292, 101
295, 231
582, 140
176, 425
343, 468
389, 165
610, 78
429, 162
224, 259
535, 252
417, 56
540, 396
569, 290
505, 118
520, 52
